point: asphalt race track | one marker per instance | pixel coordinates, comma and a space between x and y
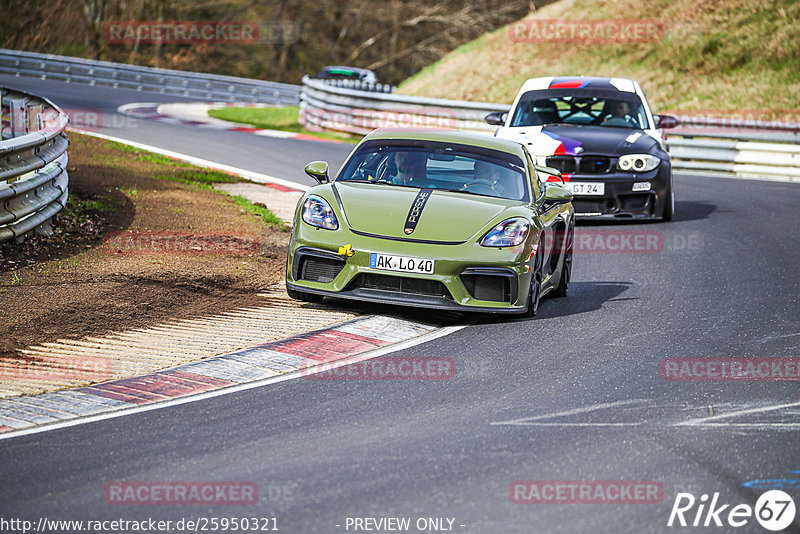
574, 394
272, 156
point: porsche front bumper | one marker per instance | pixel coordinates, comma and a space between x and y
467, 276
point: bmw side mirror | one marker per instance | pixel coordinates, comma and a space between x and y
318, 170
665, 121
496, 118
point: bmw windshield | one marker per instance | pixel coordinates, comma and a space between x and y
431, 165
588, 108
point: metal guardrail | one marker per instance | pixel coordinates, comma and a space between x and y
744, 147
342, 109
736, 146
33, 164
359, 85
164, 81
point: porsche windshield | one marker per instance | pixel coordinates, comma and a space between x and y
462, 169
537, 108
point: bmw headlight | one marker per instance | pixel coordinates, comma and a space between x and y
638, 162
509, 233
317, 212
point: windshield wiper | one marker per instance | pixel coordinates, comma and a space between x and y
465, 192
362, 181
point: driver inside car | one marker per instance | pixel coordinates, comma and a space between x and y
620, 114
404, 168
492, 175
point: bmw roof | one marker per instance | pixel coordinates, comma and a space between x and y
579, 82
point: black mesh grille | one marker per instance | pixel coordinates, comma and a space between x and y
487, 287
400, 284
562, 163
594, 164
580, 164
319, 269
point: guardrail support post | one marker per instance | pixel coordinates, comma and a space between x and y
18, 116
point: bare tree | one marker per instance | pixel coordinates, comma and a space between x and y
94, 13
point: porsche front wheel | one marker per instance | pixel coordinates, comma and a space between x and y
536, 287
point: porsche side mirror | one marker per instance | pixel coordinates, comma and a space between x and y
318, 170
555, 194
496, 118
665, 121
552, 173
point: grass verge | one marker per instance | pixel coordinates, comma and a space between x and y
283, 118
203, 178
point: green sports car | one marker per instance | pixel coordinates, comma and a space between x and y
433, 219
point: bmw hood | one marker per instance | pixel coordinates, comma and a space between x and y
560, 140
411, 213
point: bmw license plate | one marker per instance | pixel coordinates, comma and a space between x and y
586, 188
402, 264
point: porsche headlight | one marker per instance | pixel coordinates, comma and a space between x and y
638, 162
509, 233
317, 212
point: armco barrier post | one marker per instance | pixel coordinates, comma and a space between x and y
18, 112
34, 118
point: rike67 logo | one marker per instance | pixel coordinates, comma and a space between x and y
774, 511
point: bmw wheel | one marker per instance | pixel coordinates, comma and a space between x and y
669, 204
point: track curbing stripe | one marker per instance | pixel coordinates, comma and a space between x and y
275, 360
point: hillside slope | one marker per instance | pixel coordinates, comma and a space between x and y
730, 55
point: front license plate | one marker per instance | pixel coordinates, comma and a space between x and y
586, 188
402, 264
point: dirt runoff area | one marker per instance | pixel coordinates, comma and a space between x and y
184, 250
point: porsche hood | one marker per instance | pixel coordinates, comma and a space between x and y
411, 213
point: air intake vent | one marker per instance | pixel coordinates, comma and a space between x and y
593, 206
487, 287
400, 284
319, 269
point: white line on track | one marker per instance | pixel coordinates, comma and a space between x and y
445, 331
703, 421
602, 406
250, 175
